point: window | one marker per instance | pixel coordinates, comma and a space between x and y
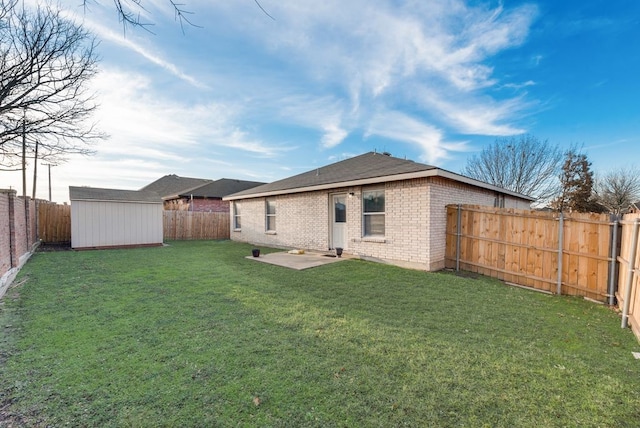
271, 215
339, 210
236, 216
373, 212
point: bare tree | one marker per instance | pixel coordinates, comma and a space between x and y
46, 62
522, 164
129, 12
618, 189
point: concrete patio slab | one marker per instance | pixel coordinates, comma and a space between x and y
296, 261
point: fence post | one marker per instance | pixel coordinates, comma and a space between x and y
560, 249
630, 271
613, 261
458, 235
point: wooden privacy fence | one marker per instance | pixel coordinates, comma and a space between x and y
54, 223
572, 254
186, 225
628, 294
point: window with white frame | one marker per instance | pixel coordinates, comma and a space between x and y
236, 216
271, 215
373, 212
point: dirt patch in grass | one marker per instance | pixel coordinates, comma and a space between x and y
59, 246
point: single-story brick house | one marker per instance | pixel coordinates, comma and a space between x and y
374, 205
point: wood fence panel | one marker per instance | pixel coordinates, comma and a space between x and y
521, 247
189, 225
626, 271
54, 223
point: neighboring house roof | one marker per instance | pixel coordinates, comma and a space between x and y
172, 185
220, 188
368, 168
635, 206
115, 195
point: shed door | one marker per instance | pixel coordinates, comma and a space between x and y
339, 221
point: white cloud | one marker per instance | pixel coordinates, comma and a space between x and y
383, 54
401, 127
333, 135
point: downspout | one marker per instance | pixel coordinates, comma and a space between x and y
630, 270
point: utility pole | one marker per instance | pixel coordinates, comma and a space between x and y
35, 172
49, 165
24, 157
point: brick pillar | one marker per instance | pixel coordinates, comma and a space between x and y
13, 238
27, 221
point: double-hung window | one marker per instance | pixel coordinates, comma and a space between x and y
236, 216
271, 215
373, 212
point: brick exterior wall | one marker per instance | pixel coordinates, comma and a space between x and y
415, 220
18, 231
199, 205
301, 221
210, 205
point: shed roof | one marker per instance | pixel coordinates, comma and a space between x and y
221, 188
368, 168
114, 195
172, 185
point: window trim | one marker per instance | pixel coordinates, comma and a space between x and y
268, 215
237, 216
370, 214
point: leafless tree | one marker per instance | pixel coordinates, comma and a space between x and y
618, 189
46, 62
129, 12
521, 164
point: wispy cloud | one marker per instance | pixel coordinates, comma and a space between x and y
381, 55
106, 33
401, 127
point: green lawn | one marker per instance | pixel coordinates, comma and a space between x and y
194, 334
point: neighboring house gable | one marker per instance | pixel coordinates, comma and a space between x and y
373, 205
208, 197
170, 186
197, 194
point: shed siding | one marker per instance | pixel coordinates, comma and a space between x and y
415, 220
109, 224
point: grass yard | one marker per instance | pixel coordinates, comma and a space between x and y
194, 334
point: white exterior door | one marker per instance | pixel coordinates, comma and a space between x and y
339, 221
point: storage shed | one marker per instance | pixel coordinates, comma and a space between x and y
104, 218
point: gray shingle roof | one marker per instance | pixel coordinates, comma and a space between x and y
221, 188
116, 195
172, 185
368, 165
367, 168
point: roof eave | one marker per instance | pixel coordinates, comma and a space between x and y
113, 200
435, 172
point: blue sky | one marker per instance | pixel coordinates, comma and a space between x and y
255, 98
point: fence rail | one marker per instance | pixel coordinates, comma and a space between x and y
186, 225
